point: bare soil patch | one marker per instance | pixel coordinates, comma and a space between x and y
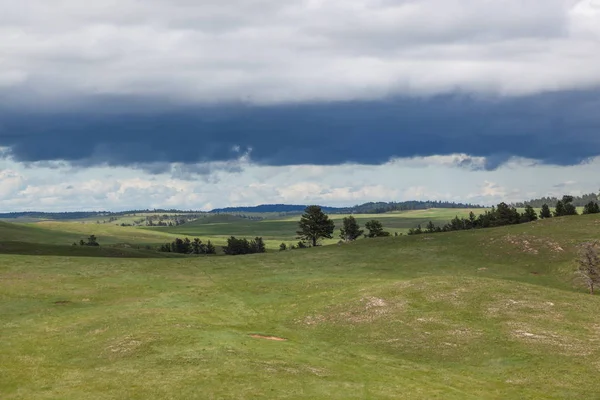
62, 302
265, 337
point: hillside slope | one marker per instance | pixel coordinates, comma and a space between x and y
489, 314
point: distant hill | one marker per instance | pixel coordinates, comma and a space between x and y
366, 208
274, 208
70, 215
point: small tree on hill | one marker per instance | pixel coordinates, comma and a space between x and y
315, 225
430, 227
588, 269
375, 229
210, 248
591, 208
529, 214
565, 207
282, 247
545, 212
257, 245
350, 230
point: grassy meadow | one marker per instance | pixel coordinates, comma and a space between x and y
216, 227
486, 314
283, 229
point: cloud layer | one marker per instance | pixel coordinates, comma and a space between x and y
192, 87
272, 51
560, 128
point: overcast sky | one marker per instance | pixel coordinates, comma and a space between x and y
200, 104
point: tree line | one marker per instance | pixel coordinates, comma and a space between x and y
503, 214
578, 201
187, 246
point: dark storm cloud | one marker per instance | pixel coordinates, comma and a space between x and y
559, 128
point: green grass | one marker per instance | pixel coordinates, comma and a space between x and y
275, 231
488, 314
216, 228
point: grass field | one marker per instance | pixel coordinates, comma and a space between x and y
216, 228
488, 314
277, 230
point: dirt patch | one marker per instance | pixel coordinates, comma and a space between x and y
62, 302
275, 338
532, 245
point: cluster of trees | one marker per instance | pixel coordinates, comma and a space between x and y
383, 207
315, 225
187, 246
92, 240
241, 246
503, 214
578, 201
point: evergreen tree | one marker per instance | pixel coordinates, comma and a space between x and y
565, 207
92, 241
529, 214
197, 246
257, 245
430, 228
545, 212
315, 225
350, 230
282, 247
375, 229
591, 208
210, 248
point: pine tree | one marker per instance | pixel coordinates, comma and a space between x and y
375, 229
591, 208
315, 225
350, 230
529, 214
545, 212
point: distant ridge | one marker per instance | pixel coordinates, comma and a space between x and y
366, 208
276, 208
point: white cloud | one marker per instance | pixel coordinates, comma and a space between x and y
102, 188
10, 183
271, 51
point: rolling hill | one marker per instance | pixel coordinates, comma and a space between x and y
484, 314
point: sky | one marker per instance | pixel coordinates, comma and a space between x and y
198, 105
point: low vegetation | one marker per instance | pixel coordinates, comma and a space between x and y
476, 314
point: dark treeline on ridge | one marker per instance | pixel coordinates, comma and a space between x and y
366, 208
578, 201
503, 214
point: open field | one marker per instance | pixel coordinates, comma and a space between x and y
215, 227
276, 230
487, 314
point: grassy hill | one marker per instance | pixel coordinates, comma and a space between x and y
488, 314
276, 230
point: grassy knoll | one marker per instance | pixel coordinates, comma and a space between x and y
488, 314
